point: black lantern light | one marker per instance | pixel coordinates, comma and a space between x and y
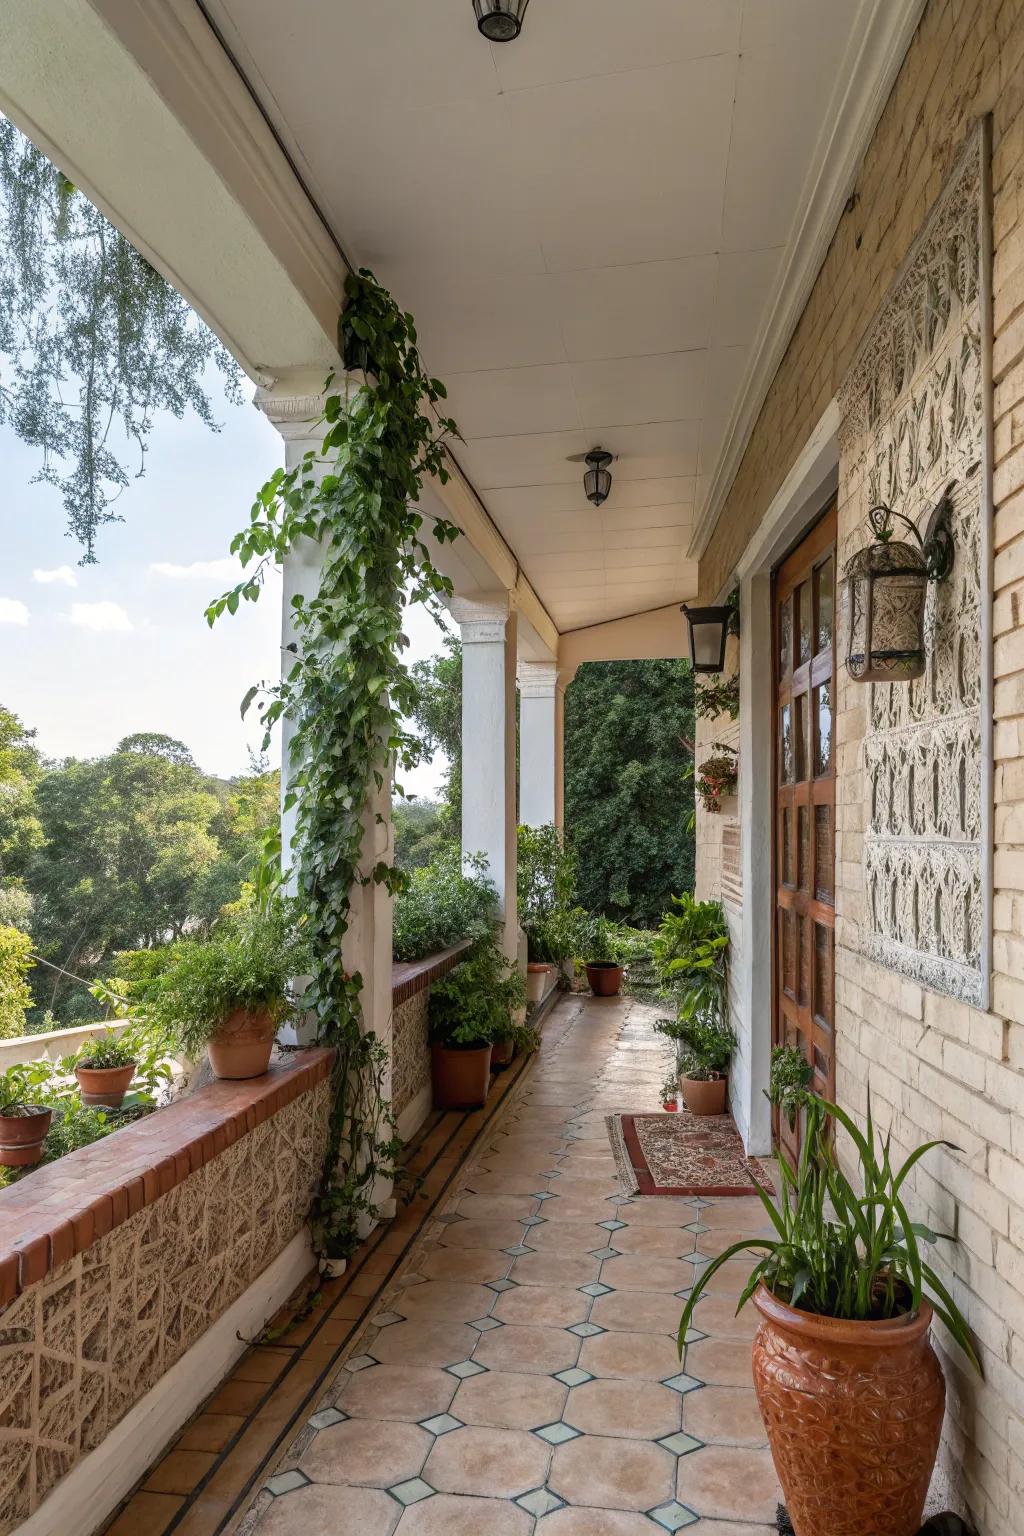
884, 592
597, 481
500, 21
709, 630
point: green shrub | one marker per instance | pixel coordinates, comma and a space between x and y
474, 1003
703, 1049
15, 993
443, 903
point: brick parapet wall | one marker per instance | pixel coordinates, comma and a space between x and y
936, 1067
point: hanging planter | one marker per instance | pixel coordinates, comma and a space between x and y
717, 777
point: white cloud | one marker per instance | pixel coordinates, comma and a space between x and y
62, 573
206, 570
100, 616
12, 611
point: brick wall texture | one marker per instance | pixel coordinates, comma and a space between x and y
936, 1067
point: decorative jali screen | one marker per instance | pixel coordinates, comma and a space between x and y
915, 412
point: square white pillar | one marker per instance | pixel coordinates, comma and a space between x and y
541, 725
488, 629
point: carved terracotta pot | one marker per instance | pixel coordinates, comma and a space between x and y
853, 1413
242, 1045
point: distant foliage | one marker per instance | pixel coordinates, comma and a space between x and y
422, 829
94, 340
15, 992
441, 905
438, 714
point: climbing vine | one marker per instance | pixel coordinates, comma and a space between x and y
93, 341
347, 689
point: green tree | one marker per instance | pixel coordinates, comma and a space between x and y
439, 718
20, 832
422, 830
15, 993
629, 730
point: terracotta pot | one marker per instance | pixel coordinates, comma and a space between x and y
460, 1078
853, 1413
502, 1053
22, 1138
242, 1045
536, 981
105, 1087
703, 1096
605, 978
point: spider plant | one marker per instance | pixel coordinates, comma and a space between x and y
837, 1253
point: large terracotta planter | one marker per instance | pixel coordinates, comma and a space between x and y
536, 980
242, 1045
605, 978
460, 1078
104, 1087
703, 1096
853, 1413
23, 1137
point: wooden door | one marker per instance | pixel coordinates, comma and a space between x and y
805, 798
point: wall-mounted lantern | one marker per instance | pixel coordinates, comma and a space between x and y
597, 481
500, 21
884, 590
708, 629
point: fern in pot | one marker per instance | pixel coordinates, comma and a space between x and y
471, 1007
849, 1387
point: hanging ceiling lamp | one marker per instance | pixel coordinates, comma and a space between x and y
597, 482
500, 21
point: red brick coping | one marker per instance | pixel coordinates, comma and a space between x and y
62, 1208
411, 976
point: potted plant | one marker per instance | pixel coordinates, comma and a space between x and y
228, 994
717, 778
24, 1120
471, 1007
546, 884
603, 964
789, 1078
670, 1092
691, 953
104, 1068
705, 1049
849, 1387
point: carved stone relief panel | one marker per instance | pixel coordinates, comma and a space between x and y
914, 418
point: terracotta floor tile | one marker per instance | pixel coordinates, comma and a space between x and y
424, 1343
727, 1415
600, 1522
576, 1238
712, 1243
310, 1511
720, 1362
611, 1473
649, 1356
638, 1312
636, 1273
262, 1364
146, 1514
475, 1265
529, 1349
367, 1452
209, 1432
509, 1400
496, 1463
717, 1315
237, 1397
555, 1269
398, 1392
204, 1517
547, 1305
458, 1515
512, 1183
729, 1483
179, 1472
638, 1410
660, 1211
654, 1242
451, 1301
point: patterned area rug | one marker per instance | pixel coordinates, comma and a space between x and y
684, 1154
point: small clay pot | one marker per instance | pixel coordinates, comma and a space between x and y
502, 1053
536, 980
104, 1087
703, 1096
605, 978
23, 1137
460, 1078
242, 1045
853, 1413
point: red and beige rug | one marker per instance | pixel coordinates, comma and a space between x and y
684, 1154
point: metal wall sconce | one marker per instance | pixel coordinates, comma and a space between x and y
884, 591
708, 631
500, 21
597, 481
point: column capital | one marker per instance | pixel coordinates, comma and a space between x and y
482, 620
295, 404
538, 679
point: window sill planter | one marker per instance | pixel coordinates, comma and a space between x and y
23, 1137
460, 1078
868, 1396
105, 1087
605, 978
703, 1095
242, 1045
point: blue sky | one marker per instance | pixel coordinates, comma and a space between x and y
91, 653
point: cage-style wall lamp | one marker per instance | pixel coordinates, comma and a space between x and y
884, 592
708, 631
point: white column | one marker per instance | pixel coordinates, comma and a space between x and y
488, 629
367, 945
541, 723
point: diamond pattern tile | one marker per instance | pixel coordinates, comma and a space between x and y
682, 1383
485, 1324
326, 1417
680, 1444
412, 1491
385, 1319
585, 1330
540, 1501
443, 1424
672, 1516
574, 1377
613, 1226
465, 1368
501, 1285
543, 1194
595, 1288
532, 1221
518, 1251
551, 1173
360, 1363
557, 1434
286, 1482
604, 1253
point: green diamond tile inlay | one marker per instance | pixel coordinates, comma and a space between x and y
540, 1501
326, 1417
604, 1253
501, 1285
595, 1288
613, 1226
682, 1383
465, 1368
411, 1491
680, 1444
360, 1363
573, 1377
286, 1482
441, 1424
557, 1434
485, 1324
585, 1330
518, 1251
672, 1516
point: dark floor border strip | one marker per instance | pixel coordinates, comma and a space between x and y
289, 1429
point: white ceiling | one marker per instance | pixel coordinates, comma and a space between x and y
590, 225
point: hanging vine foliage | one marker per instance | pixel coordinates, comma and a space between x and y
93, 341
348, 690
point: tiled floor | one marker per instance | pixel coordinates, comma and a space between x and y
519, 1373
